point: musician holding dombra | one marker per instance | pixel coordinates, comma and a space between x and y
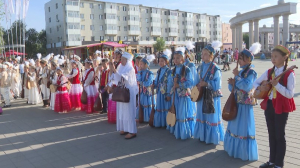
277, 104
209, 127
179, 83
240, 141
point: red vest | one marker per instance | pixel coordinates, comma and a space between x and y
136, 69
76, 78
60, 88
104, 77
281, 104
87, 74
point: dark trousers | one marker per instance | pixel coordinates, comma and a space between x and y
276, 128
105, 97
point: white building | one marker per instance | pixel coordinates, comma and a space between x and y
73, 22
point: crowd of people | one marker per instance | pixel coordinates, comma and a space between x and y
65, 84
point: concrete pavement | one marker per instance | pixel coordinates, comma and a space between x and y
31, 136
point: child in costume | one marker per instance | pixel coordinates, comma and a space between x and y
160, 84
181, 89
209, 127
278, 104
103, 83
240, 139
34, 96
145, 79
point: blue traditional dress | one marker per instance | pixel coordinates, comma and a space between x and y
162, 105
184, 118
209, 127
146, 77
240, 139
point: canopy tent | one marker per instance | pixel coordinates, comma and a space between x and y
107, 44
13, 52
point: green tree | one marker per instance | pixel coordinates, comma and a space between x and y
35, 42
246, 39
160, 44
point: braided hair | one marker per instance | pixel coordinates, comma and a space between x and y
243, 56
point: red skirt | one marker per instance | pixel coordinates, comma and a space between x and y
112, 111
62, 102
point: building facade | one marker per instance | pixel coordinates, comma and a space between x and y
73, 23
226, 36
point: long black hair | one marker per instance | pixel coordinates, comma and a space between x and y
243, 56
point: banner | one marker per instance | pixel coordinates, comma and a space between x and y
25, 8
11, 7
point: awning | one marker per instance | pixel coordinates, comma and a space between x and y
108, 44
13, 52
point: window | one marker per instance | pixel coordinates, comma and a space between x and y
146, 20
100, 6
147, 38
101, 38
81, 4
82, 27
57, 28
125, 38
92, 16
118, 18
50, 30
100, 17
124, 18
91, 5
147, 10
166, 30
119, 28
49, 9
118, 8
119, 38
93, 38
147, 29
49, 20
101, 27
92, 27
56, 5
167, 39
82, 16
82, 38
125, 28
124, 8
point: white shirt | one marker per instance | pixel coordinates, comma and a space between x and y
89, 79
287, 92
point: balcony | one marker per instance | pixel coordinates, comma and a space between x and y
173, 34
73, 43
111, 32
132, 22
134, 33
155, 24
135, 13
108, 10
189, 34
147, 42
73, 31
157, 33
111, 21
72, 8
156, 15
73, 19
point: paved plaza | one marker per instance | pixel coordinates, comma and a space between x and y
32, 136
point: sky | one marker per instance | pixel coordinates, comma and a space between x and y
225, 8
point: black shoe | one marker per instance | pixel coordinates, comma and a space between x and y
267, 165
102, 112
6, 106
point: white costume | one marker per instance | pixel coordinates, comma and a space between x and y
53, 78
126, 112
16, 78
5, 83
34, 97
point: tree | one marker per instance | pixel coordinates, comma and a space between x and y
35, 42
160, 44
246, 39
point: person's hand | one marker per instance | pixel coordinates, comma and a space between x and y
274, 82
231, 81
235, 71
168, 98
105, 88
176, 85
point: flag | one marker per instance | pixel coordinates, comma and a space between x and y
25, 8
18, 9
7, 14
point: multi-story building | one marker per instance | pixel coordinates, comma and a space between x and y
73, 23
226, 36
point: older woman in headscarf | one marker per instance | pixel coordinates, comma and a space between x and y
126, 112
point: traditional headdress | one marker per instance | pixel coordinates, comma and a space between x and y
98, 52
75, 62
39, 56
254, 49
148, 59
180, 50
26, 64
88, 61
127, 56
167, 54
31, 62
189, 46
283, 49
118, 51
46, 59
77, 57
106, 52
214, 45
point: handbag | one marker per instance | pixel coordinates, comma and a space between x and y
208, 101
83, 97
121, 93
98, 106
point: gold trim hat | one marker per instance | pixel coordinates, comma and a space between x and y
283, 49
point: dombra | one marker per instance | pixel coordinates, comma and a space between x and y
265, 86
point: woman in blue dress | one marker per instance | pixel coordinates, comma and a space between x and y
182, 101
160, 83
240, 139
145, 79
209, 127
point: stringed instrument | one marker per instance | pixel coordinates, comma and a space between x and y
230, 109
197, 92
151, 120
171, 116
263, 91
141, 111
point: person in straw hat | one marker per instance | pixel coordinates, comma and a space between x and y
44, 77
5, 84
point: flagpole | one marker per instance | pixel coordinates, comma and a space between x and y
12, 36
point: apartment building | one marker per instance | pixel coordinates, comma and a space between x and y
226, 36
73, 23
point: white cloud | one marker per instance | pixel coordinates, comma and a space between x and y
265, 5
